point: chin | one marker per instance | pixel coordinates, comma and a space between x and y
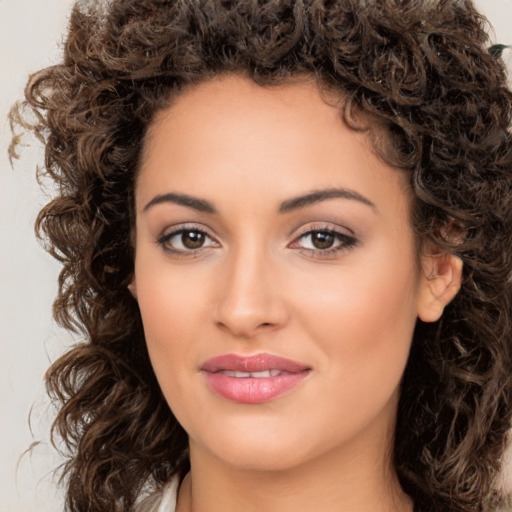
260, 447
257, 448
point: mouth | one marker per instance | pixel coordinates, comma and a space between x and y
254, 379
253, 375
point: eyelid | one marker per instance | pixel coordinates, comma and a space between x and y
186, 226
323, 226
315, 226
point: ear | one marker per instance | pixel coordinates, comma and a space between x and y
440, 281
132, 287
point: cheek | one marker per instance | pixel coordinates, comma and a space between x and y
171, 302
363, 320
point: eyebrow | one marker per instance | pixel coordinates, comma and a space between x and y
200, 205
322, 195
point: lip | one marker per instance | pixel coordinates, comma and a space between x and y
253, 390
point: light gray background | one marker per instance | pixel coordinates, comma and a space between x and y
31, 32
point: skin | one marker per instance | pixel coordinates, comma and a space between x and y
259, 284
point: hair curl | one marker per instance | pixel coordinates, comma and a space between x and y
418, 67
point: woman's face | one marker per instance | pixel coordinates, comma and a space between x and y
276, 275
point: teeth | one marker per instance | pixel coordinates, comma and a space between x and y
265, 373
255, 375
230, 373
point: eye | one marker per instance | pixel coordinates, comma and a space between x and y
324, 241
185, 240
320, 240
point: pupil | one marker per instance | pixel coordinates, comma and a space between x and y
192, 239
323, 240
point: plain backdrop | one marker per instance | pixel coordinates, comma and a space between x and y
31, 35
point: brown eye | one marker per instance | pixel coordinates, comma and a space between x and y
185, 241
192, 239
324, 242
322, 239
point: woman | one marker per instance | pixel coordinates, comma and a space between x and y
285, 232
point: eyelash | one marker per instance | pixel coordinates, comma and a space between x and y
345, 242
164, 240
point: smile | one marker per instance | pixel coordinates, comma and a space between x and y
254, 375
253, 380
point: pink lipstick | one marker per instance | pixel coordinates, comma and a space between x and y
254, 379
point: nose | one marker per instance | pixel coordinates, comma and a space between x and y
250, 296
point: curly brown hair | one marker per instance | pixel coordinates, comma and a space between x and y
422, 70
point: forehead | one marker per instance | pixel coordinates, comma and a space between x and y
239, 136
233, 101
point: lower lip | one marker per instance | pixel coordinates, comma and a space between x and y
252, 390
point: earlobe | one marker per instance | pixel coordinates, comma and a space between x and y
441, 280
132, 287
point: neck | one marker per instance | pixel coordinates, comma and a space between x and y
348, 479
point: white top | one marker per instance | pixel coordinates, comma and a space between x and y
169, 497
162, 501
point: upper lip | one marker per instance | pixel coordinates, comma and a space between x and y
255, 363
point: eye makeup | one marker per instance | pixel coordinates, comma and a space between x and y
321, 241
186, 240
